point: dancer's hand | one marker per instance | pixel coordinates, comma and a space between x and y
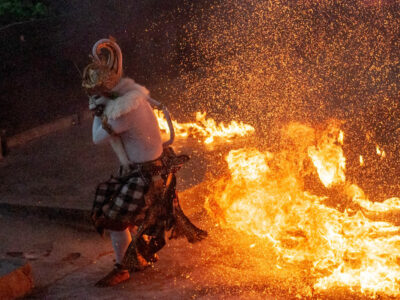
93, 102
99, 110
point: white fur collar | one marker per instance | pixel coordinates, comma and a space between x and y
130, 94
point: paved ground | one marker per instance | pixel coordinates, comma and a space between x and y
66, 263
59, 172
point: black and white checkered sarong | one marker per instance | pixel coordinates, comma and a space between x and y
123, 198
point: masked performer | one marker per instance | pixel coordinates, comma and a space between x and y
142, 196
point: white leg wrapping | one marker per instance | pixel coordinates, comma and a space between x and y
120, 241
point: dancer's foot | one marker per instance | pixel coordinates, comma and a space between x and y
117, 275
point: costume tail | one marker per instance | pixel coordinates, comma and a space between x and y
130, 260
183, 227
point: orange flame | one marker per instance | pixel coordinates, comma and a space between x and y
329, 160
206, 129
264, 197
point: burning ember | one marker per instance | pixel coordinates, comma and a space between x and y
266, 196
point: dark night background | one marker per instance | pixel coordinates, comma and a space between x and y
39, 81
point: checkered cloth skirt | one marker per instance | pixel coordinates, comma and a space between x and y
126, 198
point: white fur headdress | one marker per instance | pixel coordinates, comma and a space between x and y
129, 96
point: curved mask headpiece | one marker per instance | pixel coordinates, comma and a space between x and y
105, 71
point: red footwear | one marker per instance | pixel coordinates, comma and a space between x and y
116, 276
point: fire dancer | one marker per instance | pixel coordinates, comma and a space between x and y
141, 200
